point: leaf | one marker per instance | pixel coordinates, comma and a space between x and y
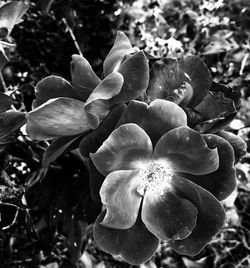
10, 14
56, 148
11, 121
5, 102
121, 48
3, 58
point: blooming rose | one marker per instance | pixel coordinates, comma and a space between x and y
163, 182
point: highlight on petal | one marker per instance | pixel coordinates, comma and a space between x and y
135, 245
156, 119
222, 181
200, 78
186, 151
126, 148
53, 87
118, 193
55, 118
121, 48
167, 215
107, 88
135, 72
210, 217
84, 79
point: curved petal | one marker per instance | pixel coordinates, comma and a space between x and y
56, 118
119, 194
53, 87
210, 217
135, 245
135, 72
200, 78
167, 215
156, 119
124, 149
94, 106
165, 76
91, 142
238, 144
84, 79
222, 181
185, 150
121, 48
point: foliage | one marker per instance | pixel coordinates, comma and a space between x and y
124, 138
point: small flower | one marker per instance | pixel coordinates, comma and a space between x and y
163, 182
62, 109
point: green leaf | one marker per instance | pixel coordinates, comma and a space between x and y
5, 102
56, 148
11, 121
121, 48
10, 14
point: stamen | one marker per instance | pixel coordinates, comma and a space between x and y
153, 176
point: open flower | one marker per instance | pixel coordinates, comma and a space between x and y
160, 189
62, 109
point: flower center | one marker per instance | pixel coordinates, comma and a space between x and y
153, 176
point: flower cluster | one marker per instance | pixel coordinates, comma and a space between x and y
152, 132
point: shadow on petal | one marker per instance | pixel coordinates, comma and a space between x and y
53, 87
135, 245
167, 215
156, 119
222, 181
210, 217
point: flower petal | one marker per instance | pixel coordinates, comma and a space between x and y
119, 194
53, 87
185, 150
156, 119
94, 106
210, 217
135, 245
167, 215
200, 78
121, 48
222, 181
238, 144
124, 149
135, 71
57, 117
91, 142
84, 79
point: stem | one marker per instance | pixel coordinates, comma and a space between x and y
3, 82
73, 37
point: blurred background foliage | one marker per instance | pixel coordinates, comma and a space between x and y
48, 212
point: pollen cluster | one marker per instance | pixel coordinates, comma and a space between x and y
153, 177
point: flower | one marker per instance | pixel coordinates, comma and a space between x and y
209, 106
163, 181
62, 109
